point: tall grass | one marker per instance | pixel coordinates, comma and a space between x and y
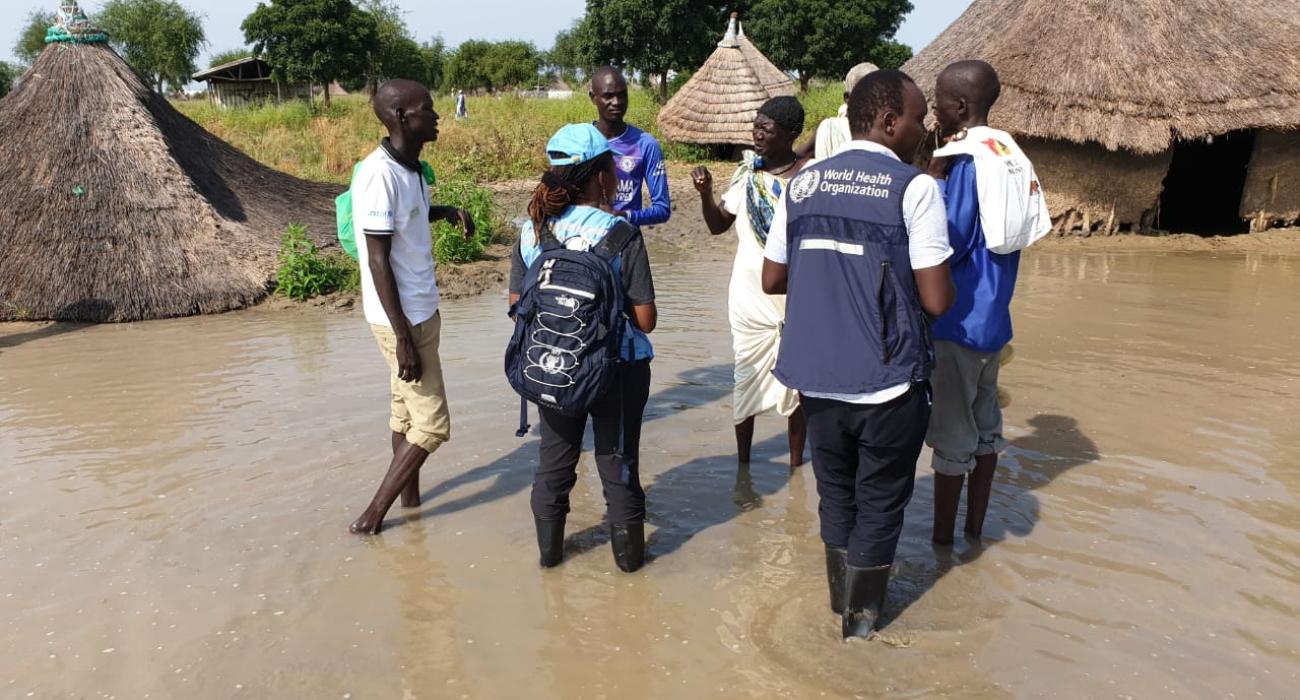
502, 139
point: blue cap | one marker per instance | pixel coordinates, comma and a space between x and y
578, 142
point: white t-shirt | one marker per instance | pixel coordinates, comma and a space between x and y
927, 244
390, 199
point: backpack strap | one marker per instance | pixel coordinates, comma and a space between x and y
524, 427
620, 234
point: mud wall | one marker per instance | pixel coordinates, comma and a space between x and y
1272, 195
1093, 190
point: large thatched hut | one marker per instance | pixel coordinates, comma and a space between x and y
115, 207
717, 105
1143, 114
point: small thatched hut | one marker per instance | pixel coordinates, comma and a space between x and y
1145, 114
118, 208
717, 105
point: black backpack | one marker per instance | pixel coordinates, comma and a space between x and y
570, 325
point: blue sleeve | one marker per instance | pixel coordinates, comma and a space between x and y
656, 180
961, 198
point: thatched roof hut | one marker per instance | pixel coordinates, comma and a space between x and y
1142, 114
118, 208
717, 105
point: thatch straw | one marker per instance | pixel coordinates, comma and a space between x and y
717, 105
118, 208
1131, 74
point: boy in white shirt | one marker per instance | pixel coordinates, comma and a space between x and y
399, 292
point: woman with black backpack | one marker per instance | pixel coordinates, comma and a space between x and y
572, 210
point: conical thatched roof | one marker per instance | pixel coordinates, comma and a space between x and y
115, 207
717, 105
1131, 74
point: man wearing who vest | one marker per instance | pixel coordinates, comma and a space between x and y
859, 245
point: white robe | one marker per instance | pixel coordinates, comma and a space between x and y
756, 319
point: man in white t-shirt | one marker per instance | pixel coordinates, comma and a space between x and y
859, 245
399, 292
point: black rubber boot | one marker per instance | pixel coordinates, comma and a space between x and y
865, 599
628, 542
550, 541
837, 560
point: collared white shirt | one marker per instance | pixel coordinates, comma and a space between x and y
926, 220
390, 199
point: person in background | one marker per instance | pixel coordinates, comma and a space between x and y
638, 159
834, 132
859, 245
574, 203
462, 109
399, 292
756, 318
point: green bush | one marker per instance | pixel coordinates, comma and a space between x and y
305, 272
449, 242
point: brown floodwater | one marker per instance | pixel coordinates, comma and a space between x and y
176, 494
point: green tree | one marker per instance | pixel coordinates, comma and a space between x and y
316, 40
824, 38
891, 54
466, 66
159, 38
396, 54
652, 36
8, 74
223, 57
566, 56
31, 41
434, 53
512, 64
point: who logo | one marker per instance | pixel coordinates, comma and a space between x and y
804, 186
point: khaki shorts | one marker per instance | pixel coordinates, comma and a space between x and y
966, 420
419, 408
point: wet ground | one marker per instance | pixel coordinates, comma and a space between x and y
176, 494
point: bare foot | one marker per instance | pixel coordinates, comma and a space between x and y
367, 524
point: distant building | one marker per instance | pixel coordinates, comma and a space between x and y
249, 81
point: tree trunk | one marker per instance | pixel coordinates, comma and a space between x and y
325, 92
663, 87
803, 82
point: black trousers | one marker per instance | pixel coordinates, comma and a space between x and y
864, 457
616, 415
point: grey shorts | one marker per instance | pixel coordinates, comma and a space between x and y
966, 420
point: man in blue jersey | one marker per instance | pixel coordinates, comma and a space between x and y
966, 423
637, 155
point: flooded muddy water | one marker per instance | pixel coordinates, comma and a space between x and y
176, 495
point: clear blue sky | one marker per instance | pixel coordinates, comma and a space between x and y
457, 20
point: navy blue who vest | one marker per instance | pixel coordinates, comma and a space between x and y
853, 317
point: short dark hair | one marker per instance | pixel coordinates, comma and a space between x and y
876, 92
786, 112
